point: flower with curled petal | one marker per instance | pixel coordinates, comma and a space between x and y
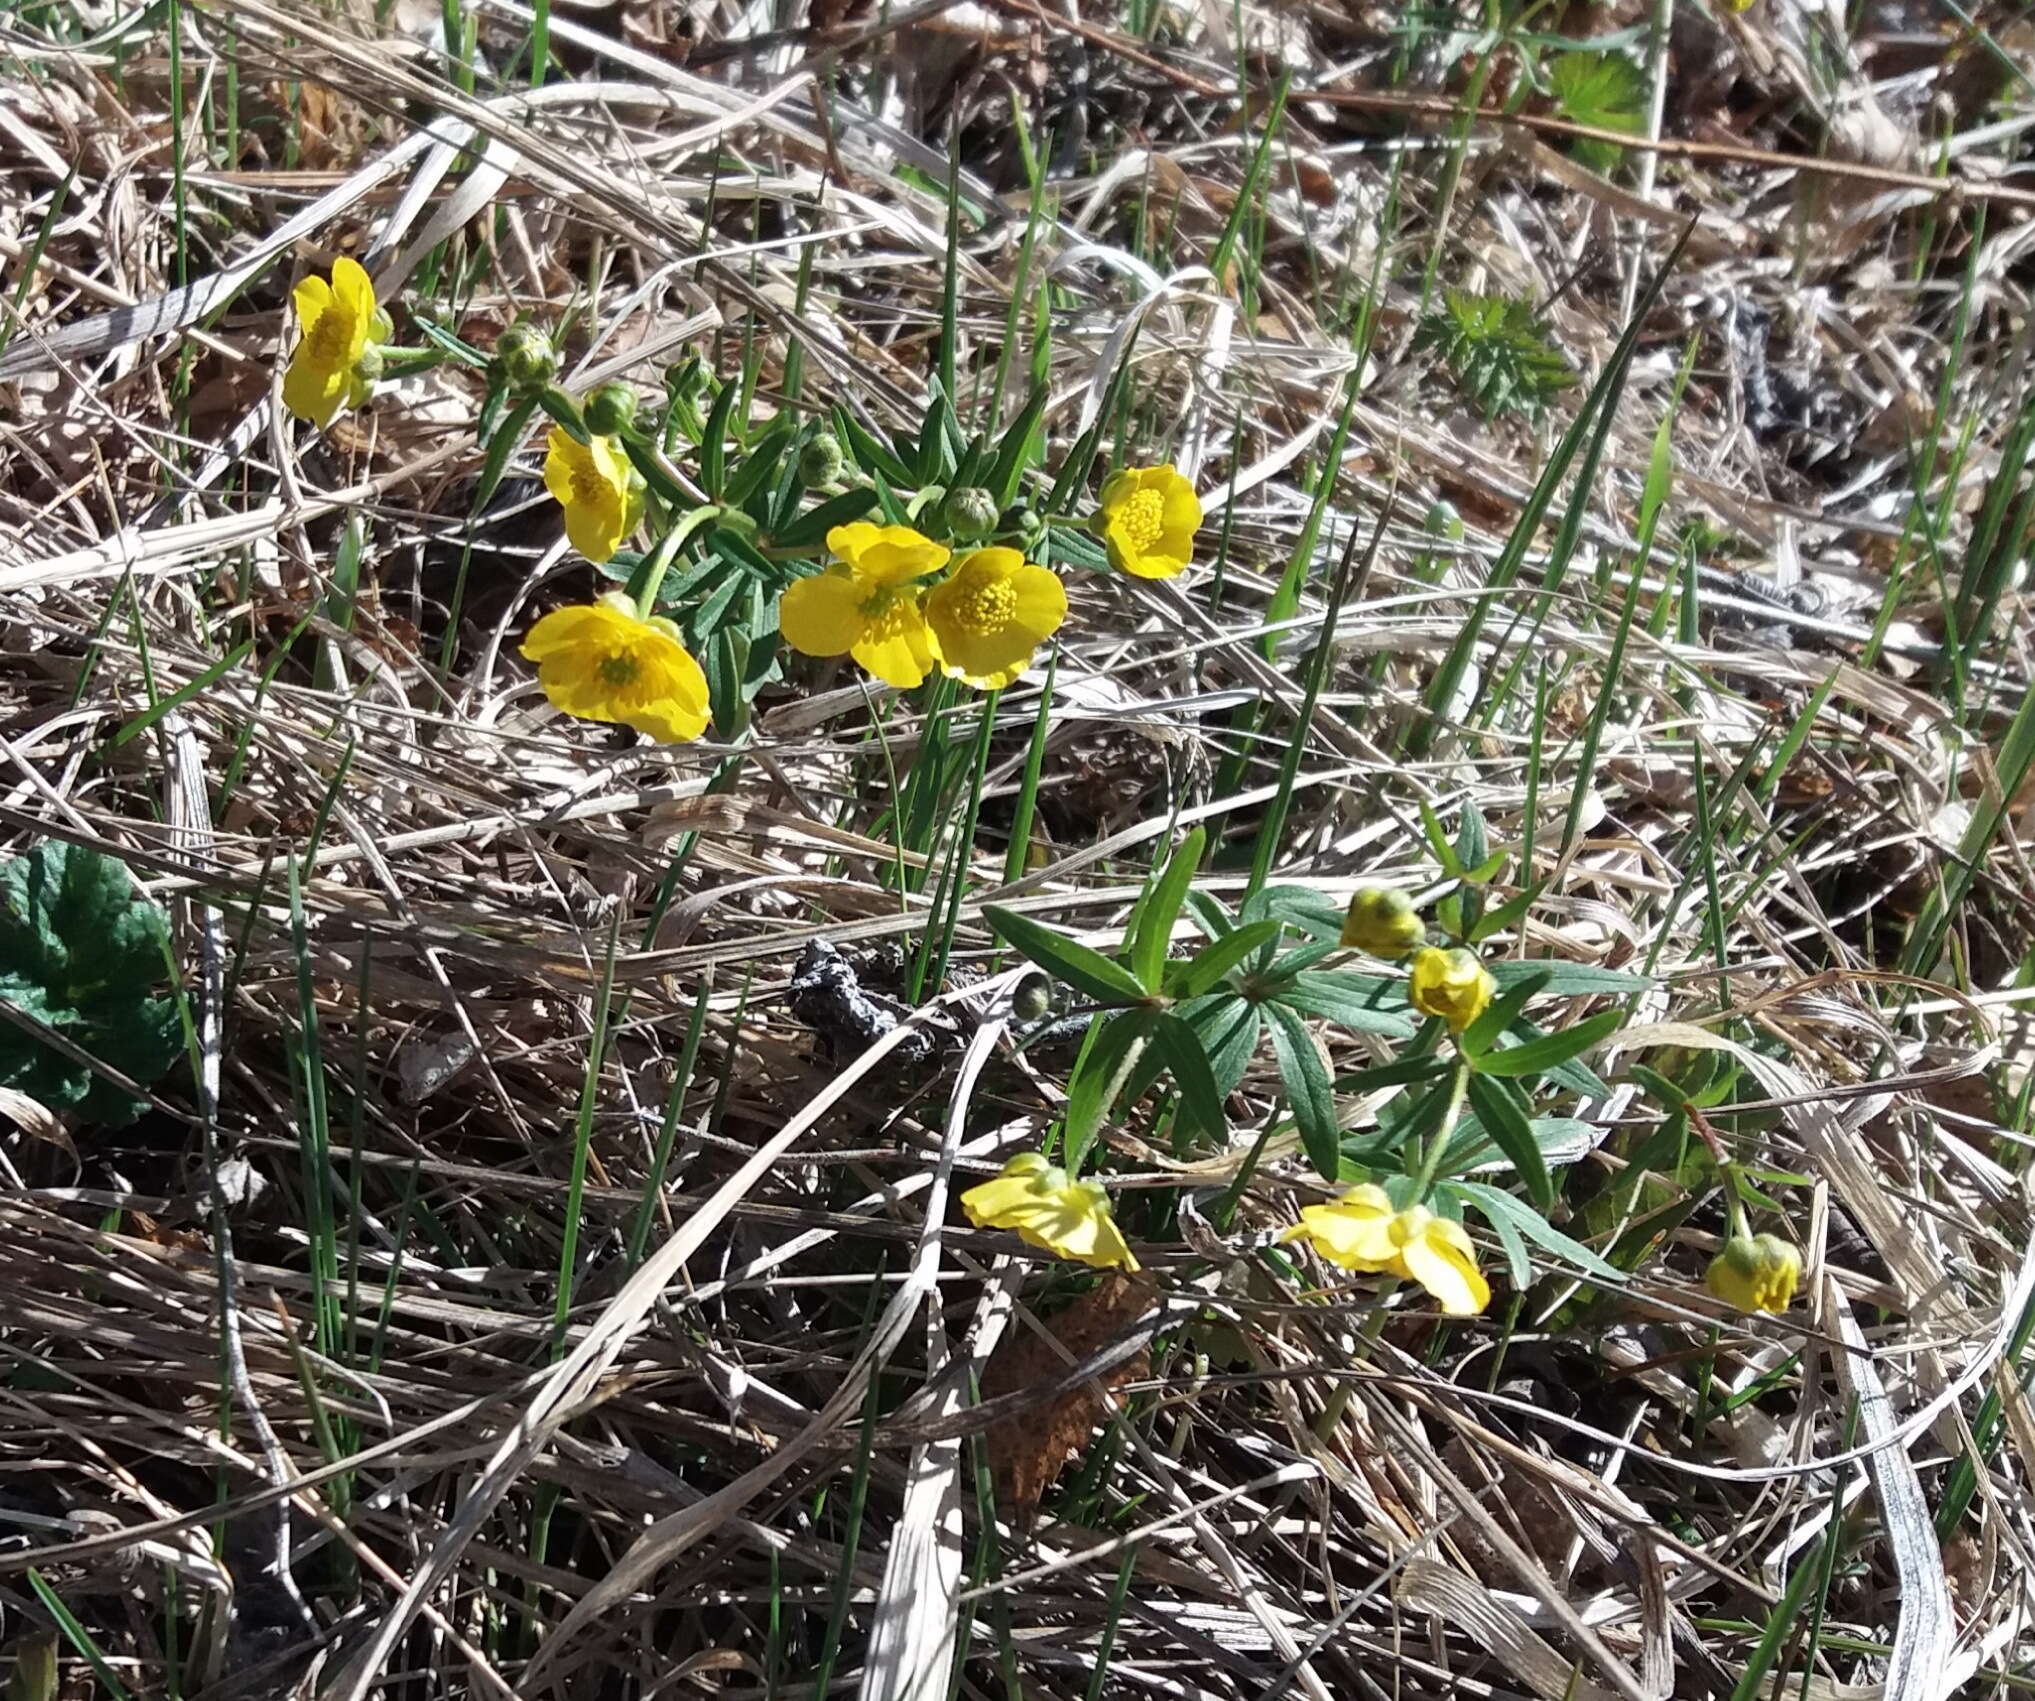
1361, 1231
1069, 1219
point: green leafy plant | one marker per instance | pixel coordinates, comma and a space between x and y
80, 952
1495, 353
1452, 1106
1605, 91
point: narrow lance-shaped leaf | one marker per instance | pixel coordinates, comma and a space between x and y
1504, 1117
1087, 971
1309, 1093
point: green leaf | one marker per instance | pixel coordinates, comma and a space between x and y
1229, 1028
1367, 1003
1495, 351
1566, 980
1505, 915
1114, 1035
1501, 1109
1211, 915
1537, 1056
1561, 1139
1500, 1014
809, 530
1204, 972
714, 446
1308, 1093
1152, 928
1605, 91
1399, 1072
1438, 841
1187, 1061
870, 452
1473, 842
1017, 450
1492, 1203
759, 463
83, 952
500, 447
1087, 971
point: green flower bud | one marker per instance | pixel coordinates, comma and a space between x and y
1755, 1273
821, 460
525, 358
609, 409
1382, 922
1031, 998
969, 512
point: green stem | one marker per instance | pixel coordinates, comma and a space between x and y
1459, 1090
648, 579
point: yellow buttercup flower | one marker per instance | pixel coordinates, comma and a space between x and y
1360, 1231
603, 662
338, 323
992, 613
1451, 984
1149, 517
599, 489
866, 605
1382, 922
1755, 1273
1069, 1219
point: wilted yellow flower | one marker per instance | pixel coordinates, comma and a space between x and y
603, 662
338, 322
1755, 1273
1069, 1219
989, 617
866, 604
1360, 1231
1149, 518
600, 491
1382, 922
1450, 984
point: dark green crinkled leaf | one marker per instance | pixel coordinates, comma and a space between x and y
82, 952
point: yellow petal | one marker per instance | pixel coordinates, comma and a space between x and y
354, 290
1446, 1270
312, 389
566, 629
679, 712
311, 298
596, 527
886, 555
894, 644
1354, 1231
1002, 1202
1041, 601
821, 616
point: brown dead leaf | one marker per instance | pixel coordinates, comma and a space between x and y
1028, 1451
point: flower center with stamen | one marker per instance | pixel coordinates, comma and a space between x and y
620, 668
587, 484
1142, 519
985, 608
331, 335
